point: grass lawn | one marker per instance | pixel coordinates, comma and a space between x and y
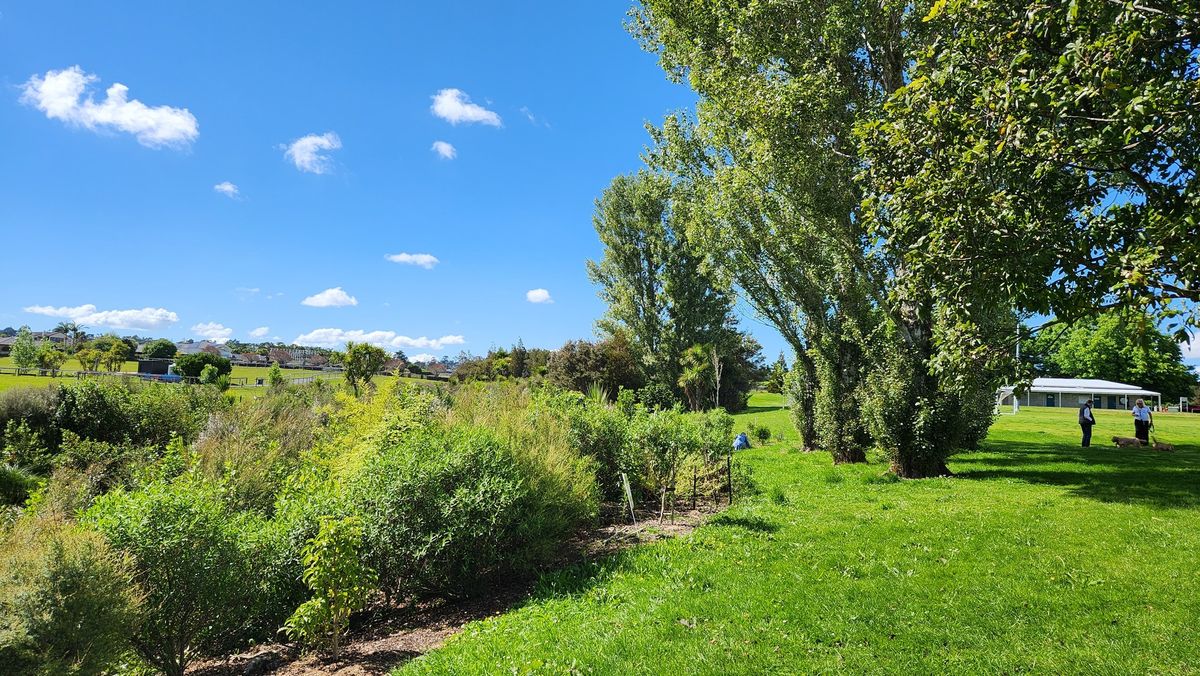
1037, 556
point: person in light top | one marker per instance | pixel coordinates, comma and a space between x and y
1142, 421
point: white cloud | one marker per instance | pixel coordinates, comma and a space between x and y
444, 150
218, 333
60, 94
334, 297
423, 358
1191, 349
227, 189
424, 260
454, 106
259, 332
538, 296
306, 152
386, 339
88, 315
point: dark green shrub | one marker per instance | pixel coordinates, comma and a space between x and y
599, 431
760, 432
24, 447
441, 512
35, 408
160, 348
190, 365
67, 602
15, 485
190, 560
656, 397
134, 412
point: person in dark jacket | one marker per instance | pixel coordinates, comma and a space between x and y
1086, 421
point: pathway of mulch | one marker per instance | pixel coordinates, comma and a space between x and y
385, 637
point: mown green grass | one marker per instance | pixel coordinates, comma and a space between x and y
1037, 556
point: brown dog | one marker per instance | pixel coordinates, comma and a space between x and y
1125, 442
1163, 446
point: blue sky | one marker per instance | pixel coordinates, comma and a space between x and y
126, 201
183, 207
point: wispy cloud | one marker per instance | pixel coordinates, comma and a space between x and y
424, 260
334, 297
60, 94
218, 333
538, 296
444, 150
385, 339
145, 318
227, 189
423, 358
309, 153
260, 332
454, 106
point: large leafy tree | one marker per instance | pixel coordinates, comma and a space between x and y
1046, 152
775, 155
656, 285
1128, 349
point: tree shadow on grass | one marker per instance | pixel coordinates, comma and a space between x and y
1103, 473
760, 409
751, 523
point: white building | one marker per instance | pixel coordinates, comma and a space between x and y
1072, 392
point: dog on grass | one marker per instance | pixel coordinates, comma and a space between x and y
1125, 442
1163, 446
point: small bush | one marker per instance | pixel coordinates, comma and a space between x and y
656, 397
341, 584
599, 431
32, 407
760, 432
67, 603
189, 559
440, 512
15, 485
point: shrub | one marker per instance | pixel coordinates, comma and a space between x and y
333, 569
275, 375
665, 439
67, 603
208, 374
599, 431
15, 485
33, 407
440, 512
190, 365
190, 561
133, 412
23, 447
760, 432
656, 397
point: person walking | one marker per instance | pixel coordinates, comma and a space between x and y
1142, 421
1086, 422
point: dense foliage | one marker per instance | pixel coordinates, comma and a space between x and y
192, 365
1125, 348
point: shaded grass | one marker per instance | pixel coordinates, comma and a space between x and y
1038, 556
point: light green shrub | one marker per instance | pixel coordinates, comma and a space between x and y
67, 602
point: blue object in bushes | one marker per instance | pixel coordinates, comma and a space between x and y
741, 443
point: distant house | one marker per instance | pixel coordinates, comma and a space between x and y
1072, 392
39, 337
192, 347
251, 359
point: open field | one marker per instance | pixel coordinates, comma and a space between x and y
1037, 556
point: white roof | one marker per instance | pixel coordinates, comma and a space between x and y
1086, 386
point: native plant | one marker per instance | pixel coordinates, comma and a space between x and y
340, 582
